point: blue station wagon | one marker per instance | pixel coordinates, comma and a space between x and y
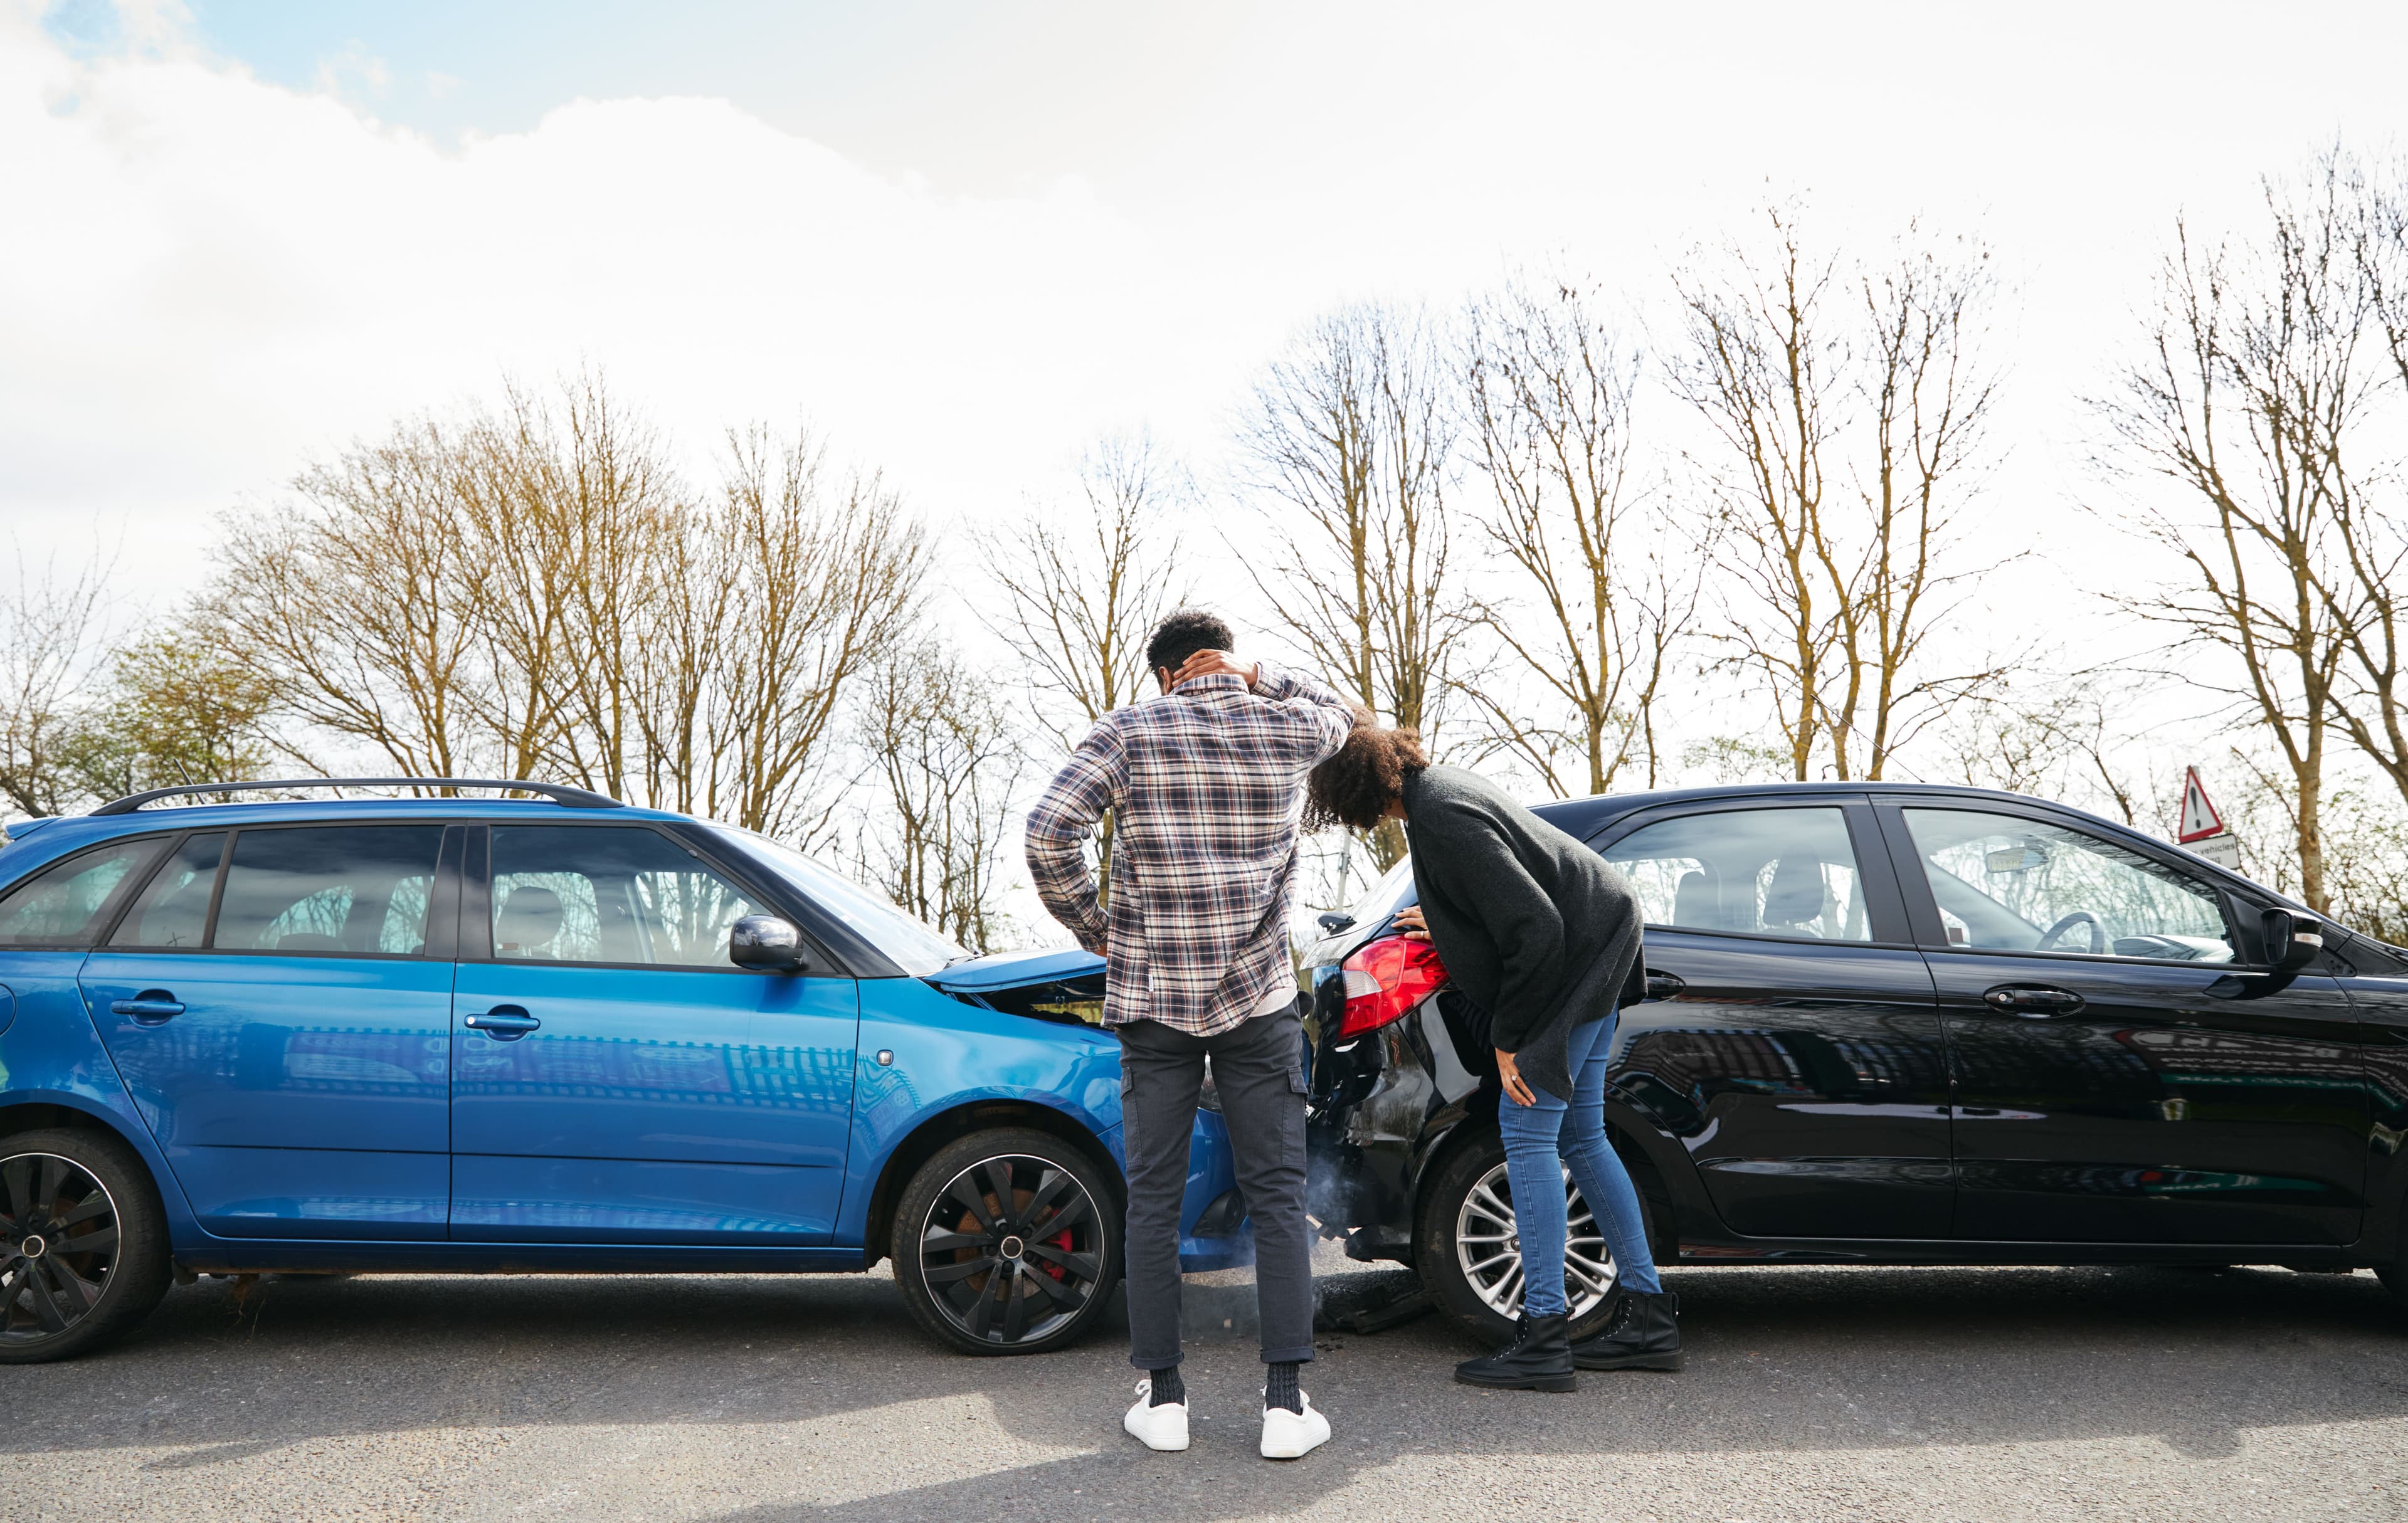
548, 1032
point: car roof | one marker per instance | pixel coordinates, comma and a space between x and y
35, 842
1580, 816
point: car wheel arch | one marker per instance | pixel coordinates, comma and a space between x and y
1623, 1129
935, 1132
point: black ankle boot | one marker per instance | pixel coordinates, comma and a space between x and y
1641, 1336
1539, 1359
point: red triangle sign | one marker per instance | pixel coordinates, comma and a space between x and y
2200, 819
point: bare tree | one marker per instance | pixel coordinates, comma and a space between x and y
53, 640
949, 759
537, 593
1547, 389
2370, 594
1082, 588
824, 581
1848, 409
356, 605
2250, 387
174, 710
2049, 739
1351, 434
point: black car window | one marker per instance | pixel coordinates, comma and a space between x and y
1769, 871
2008, 883
173, 912
609, 894
346, 890
61, 906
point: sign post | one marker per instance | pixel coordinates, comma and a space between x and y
2202, 828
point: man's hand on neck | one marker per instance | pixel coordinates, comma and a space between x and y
1210, 664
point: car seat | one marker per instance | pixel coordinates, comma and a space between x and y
529, 920
1796, 896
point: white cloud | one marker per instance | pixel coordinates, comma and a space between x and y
209, 279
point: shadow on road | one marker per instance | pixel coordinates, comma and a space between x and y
1785, 1358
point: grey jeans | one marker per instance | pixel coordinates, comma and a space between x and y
1258, 1072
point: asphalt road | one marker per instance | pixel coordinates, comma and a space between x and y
1810, 1393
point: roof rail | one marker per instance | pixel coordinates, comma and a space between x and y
561, 794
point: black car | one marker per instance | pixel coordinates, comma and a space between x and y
1895, 1023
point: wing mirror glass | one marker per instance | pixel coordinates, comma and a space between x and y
767, 943
2292, 941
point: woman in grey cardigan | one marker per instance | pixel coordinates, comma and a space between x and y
1544, 937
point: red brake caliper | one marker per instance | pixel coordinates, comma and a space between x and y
1063, 1242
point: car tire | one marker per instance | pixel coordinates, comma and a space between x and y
985, 1278
1462, 1277
2394, 1276
83, 1249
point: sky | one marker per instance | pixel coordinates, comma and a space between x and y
962, 241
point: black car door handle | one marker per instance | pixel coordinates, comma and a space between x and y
1663, 985
503, 1023
150, 1005
2033, 1001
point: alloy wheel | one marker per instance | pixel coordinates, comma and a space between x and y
1488, 1249
58, 1245
1011, 1249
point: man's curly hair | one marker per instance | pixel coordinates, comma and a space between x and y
1182, 633
1356, 787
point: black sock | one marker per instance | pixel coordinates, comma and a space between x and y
1281, 1389
1168, 1390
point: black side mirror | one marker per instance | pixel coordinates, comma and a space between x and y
766, 944
2292, 941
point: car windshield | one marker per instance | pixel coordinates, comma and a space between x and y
907, 941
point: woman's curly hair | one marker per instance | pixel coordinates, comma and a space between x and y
1356, 787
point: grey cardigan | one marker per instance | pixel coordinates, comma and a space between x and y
1531, 924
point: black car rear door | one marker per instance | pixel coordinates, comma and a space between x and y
2120, 1076
1799, 1056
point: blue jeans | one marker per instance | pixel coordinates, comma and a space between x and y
1535, 1150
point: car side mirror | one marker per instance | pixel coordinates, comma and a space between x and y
2292, 941
766, 944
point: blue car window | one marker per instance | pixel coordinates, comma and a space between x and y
349, 890
609, 894
173, 912
61, 905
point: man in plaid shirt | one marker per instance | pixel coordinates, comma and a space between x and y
1205, 785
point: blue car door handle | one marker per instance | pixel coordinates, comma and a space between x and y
503, 1023
150, 1005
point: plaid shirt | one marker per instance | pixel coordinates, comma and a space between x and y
1205, 785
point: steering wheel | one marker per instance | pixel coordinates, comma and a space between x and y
2079, 917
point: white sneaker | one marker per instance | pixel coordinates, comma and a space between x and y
1165, 1427
1291, 1435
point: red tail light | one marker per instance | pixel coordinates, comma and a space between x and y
1384, 978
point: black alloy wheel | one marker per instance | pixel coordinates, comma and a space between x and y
1006, 1243
83, 1253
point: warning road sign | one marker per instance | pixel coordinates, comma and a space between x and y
2200, 819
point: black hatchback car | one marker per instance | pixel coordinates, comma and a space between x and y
1895, 1023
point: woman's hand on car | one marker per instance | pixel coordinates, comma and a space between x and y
1409, 925
1517, 1087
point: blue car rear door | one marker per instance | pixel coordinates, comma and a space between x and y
273, 1006
616, 1079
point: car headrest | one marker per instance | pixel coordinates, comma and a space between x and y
530, 918
309, 941
1696, 903
1797, 893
